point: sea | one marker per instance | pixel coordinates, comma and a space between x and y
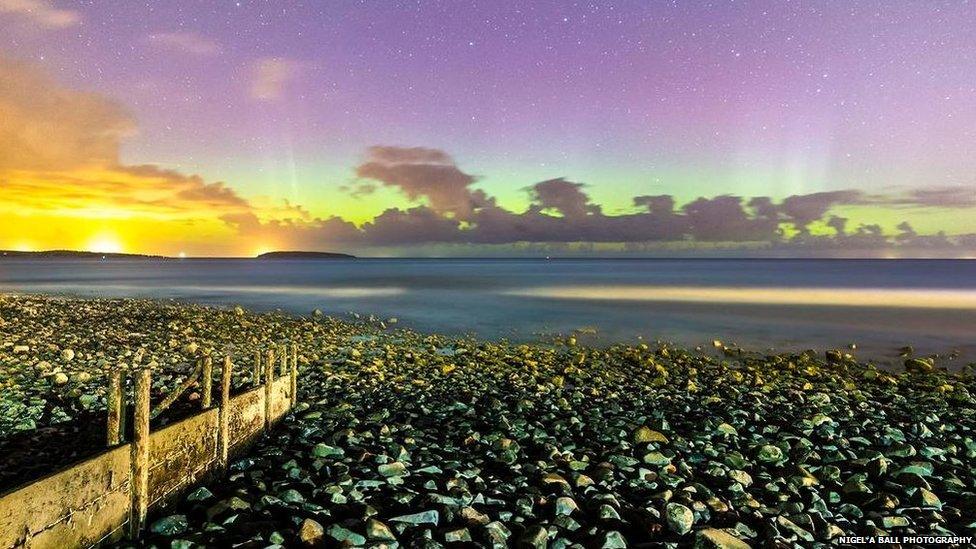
871, 308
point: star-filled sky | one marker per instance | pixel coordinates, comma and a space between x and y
489, 128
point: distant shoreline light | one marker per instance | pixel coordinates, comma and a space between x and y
827, 297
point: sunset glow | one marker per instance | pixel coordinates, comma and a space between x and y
391, 130
106, 244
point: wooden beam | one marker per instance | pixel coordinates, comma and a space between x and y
207, 396
224, 433
114, 426
140, 452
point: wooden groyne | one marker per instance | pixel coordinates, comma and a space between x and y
109, 496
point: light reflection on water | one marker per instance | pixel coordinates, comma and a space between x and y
781, 304
818, 297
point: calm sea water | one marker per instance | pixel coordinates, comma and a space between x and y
762, 304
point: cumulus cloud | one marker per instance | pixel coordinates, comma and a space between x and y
40, 13
802, 210
270, 77
427, 174
185, 42
565, 197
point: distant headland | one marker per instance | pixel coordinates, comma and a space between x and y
74, 254
99, 256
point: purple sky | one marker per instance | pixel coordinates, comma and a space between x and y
281, 100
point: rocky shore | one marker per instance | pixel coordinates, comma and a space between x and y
407, 439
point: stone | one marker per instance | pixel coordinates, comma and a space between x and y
919, 366
324, 451
170, 526
200, 494
565, 506
311, 532
613, 540
458, 536
345, 536
393, 469
474, 517
656, 458
376, 530
644, 434
679, 518
769, 454
536, 537
741, 477
231, 504
713, 538
425, 517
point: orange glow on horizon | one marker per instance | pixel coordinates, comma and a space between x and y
105, 243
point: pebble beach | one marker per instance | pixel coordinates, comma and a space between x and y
418, 440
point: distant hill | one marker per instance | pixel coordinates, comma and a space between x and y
72, 254
305, 255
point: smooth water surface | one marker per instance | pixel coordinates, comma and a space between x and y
761, 304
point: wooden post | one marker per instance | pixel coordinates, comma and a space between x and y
284, 360
257, 369
114, 407
140, 452
294, 374
268, 386
207, 383
224, 434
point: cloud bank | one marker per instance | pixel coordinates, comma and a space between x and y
40, 13
449, 211
59, 152
60, 166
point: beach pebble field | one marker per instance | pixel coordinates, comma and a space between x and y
404, 439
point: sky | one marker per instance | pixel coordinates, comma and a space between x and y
489, 128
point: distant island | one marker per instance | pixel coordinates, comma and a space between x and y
305, 255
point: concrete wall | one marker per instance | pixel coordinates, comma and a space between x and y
89, 502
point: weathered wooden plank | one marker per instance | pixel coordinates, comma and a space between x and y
224, 432
140, 451
245, 416
280, 400
182, 453
113, 433
76, 507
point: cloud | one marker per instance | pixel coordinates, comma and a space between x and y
44, 125
564, 197
60, 165
944, 197
561, 213
40, 13
60, 155
802, 210
422, 173
270, 77
185, 42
